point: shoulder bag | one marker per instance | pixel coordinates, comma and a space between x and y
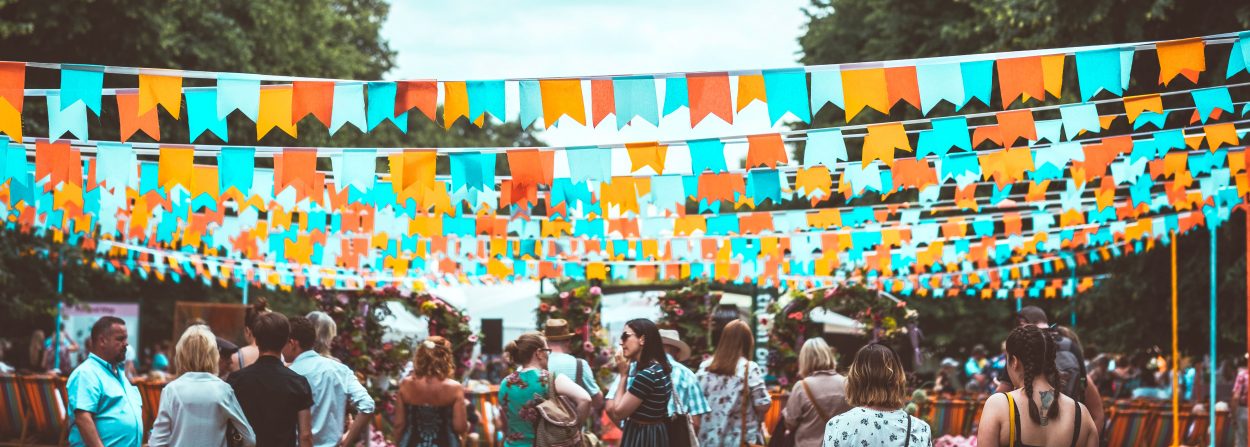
681, 425
557, 421
746, 404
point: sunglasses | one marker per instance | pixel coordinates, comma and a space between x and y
547, 350
625, 336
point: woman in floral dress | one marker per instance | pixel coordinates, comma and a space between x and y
523, 390
722, 380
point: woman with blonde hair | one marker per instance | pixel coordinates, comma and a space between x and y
734, 386
326, 329
526, 388
818, 397
198, 407
431, 410
877, 387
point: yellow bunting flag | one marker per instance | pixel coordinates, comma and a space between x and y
455, 102
174, 167
750, 88
647, 154
596, 270
1220, 134
881, 142
1052, 74
10, 120
163, 90
562, 97
864, 88
1185, 57
275, 111
1135, 105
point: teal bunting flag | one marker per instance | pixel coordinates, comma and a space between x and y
787, 93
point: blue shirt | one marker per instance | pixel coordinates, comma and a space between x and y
332, 385
686, 389
101, 389
566, 365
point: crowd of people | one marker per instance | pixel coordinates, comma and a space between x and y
284, 388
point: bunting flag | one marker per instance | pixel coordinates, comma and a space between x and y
562, 97
708, 95
131, 121
163, 90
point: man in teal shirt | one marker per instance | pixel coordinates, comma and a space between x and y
107, 409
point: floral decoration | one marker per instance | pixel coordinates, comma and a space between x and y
882, 319
689, 311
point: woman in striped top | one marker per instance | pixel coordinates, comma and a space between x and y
644, 405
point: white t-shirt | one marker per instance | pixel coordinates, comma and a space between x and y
865, 427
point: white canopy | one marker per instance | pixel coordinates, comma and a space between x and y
836, 323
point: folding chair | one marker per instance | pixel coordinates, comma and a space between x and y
45, 411
12, 416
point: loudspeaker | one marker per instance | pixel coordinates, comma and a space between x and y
492, 336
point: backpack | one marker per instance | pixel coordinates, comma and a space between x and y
557, 421
1071, 367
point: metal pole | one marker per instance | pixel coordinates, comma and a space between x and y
1211, 361
246, 285
56, 331
1176, 390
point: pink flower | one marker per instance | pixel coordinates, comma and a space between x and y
564, 295
902, 304
543, 307
596, 290
796, 316
588, 347
587, 310
679, 312
473, 338
783, 381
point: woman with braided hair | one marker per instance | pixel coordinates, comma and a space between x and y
1054, 420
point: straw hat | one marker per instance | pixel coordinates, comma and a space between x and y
672, 338
557, 329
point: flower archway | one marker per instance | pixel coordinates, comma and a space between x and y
882, 319
688, 310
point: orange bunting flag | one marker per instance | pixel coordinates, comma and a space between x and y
163, 90
420, 94
989, 132
312, 97
1021, 76
1006, 166
1016, 124
1185, 57
175, 167
602, 100
1052, 74
865, 88
296, 168
814, 182
647, 154
1135, 105
914, 173
1220, 134
900, 84
204, 181
562, 97
531, 166
708, 95
275, 110
455, 102
721, 187
766, 150
881, 142
412, 174
12, 96
750, 88
130, 121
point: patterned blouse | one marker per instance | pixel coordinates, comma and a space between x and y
519, 396
723, 425
865, 427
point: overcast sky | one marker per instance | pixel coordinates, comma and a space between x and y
510, 39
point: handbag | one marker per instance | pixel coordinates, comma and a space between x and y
746, 405
233, 437
557, 421
681, 426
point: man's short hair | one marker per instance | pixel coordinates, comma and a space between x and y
271, 332
102, 326
1032, 315
303, 332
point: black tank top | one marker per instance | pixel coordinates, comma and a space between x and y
1015, 428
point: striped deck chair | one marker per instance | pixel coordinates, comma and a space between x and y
12, 416
151, 394
1224, 431
1160, 431
45, 407
1126, 425
974, 416
940, 413
486, 407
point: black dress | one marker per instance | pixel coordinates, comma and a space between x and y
429, 426
646, 427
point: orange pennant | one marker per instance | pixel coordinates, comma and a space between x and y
13, 84
914, 173
881, 142
646, 154
275, 110
420, 94
900, 84
455, 102
175, 167
814, 182
722, 187
1220, 134
766, 150
709, 95
312, 97
750, 88
562, 97
1185, 57
1052, 74
531, 166
163, 90
131, 121
1006, 166
1135, 105
1016, 124
602, 100
864, 88
1021, 76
